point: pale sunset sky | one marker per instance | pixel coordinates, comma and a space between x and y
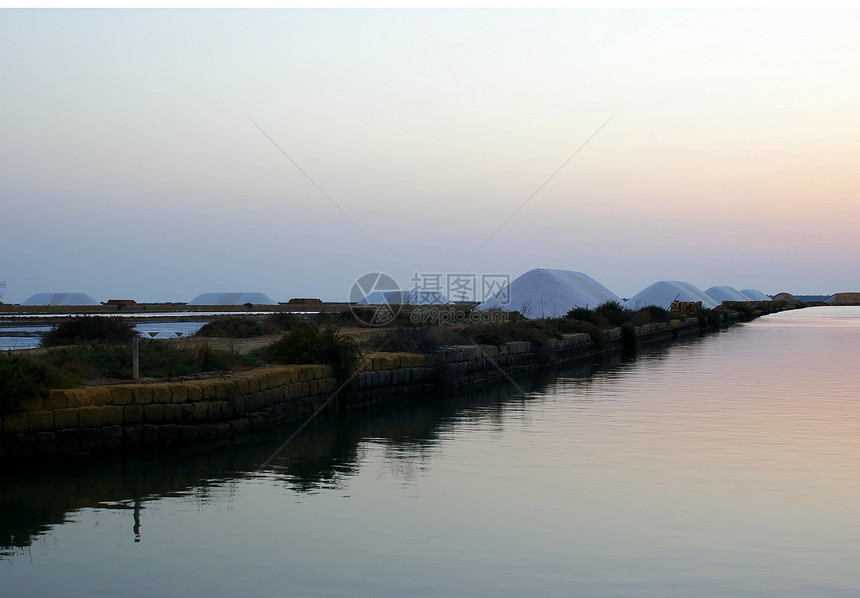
159, 154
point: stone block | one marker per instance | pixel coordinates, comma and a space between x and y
90, 417
208, 390
233, 390
32, 404
276, 377
132, 414
112, 415
201, 412
188, 410
242, 385
153, 414
65, 418
95, 395
238, 407
14, 423
56, 399
121, 395
193, 393
173, 414
41, 421
162, 394
214, 411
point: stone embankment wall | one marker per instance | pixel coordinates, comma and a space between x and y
171, 414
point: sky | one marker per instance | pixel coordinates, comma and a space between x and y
159, 154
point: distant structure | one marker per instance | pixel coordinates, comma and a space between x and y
546, 293
232, 299
64, 299
414, 297
304, 301
121, 303
843, 299
664, 292
683, 308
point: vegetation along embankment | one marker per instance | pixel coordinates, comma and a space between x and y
75, 395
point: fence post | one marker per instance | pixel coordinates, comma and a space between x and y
135, 357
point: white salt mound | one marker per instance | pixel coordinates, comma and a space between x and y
544, 293
662, 294
413, 297
725, 293
755, 295
232, 299
60, 299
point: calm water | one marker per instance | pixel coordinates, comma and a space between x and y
726, 466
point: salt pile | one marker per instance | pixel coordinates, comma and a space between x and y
232, 299
662, 294
544, 293
725, 293
60, 299
755, 295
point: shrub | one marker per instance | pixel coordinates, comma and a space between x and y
612, 313
581, 313
306, 343
281, 321
24, 378
424, 340
651, 314
89, 329
232, 327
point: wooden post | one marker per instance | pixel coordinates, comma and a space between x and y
135, 358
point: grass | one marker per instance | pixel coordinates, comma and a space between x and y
158, 359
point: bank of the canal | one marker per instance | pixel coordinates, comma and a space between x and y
165, 415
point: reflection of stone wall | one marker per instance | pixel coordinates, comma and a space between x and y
130, 416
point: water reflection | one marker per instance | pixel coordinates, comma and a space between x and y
42, 495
